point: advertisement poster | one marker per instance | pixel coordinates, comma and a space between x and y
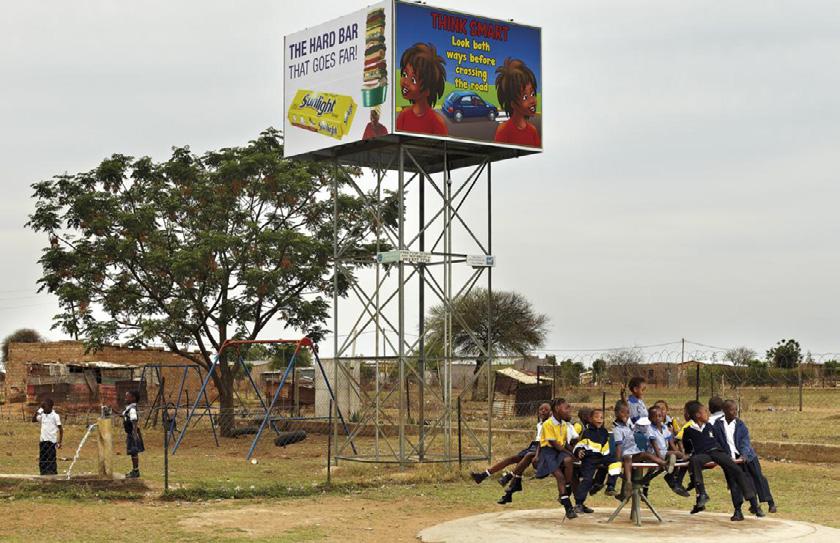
466, 77
336, 79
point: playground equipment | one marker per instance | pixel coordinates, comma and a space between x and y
267, 418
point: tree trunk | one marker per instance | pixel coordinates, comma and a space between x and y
479, 390
223, 379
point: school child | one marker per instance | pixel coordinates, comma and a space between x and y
554, 457
716, 409
593, 451
700, 439
133, 438
422, 79
522, 459
516, 90
671, 423
628, 450
584, 413
638, 410
52, 434
661, 443
734, 438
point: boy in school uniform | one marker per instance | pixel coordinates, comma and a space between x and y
734, 438
716, 409
133, 438
638, 410
52, 434
671, 423
628, 450
554, 457
593, 451
584, 414
523, 459
700, 440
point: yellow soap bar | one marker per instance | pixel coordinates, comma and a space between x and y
323, 112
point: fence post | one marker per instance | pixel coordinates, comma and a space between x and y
329, 445
604, 401
167, 427
697, 384
460, 458
800, 387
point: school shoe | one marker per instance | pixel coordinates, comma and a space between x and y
771, 507
478, 477
737, 516
700, 505
610, 491
595, 489
582, 508
516, 485
759, 512
133, 474
505, 479
567, 505
507, 497
675, 486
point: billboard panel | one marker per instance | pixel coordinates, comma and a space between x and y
336, 81
408, 68
466, 77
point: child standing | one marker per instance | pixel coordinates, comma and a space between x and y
734, 438
133, 438
554, 458
52, 434
700, 440
638, 410
716, 409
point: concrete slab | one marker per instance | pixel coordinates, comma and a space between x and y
530, 526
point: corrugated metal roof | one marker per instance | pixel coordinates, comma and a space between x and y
522, 377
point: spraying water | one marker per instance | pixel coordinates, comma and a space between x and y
79, 449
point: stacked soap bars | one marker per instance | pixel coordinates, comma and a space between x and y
322, 112
375, 80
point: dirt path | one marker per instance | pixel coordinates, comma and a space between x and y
352, 518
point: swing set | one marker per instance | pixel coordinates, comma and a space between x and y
267, 419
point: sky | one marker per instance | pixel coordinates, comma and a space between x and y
688, 187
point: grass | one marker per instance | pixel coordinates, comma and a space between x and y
217, 496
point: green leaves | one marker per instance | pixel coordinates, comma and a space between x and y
195, 249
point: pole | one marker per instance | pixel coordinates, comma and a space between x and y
421, 362
604, 401
329, 444
401, 278
800, 386
697, 383
460, 456
166, 428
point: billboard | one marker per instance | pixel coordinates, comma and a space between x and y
336, 81
466, 77
406, 68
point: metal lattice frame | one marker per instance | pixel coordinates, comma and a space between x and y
419, 175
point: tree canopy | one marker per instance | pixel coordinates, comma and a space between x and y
195, 250
785, 354
515, 328
21, 335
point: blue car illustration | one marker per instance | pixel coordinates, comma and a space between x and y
459, 105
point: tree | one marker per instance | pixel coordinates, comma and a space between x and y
196, 250
626, 360
599, 369
740, 356
515, 328
785, 354
21, 335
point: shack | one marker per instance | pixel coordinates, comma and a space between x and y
82, 386
519, 392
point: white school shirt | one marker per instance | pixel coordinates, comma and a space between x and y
713, 418
49, 425
571, 434
729, 430
131, 411
539, 431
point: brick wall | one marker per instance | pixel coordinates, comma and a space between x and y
22, 354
